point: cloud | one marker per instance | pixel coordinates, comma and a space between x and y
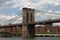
48, 15
3, 2
6, 4
29, 3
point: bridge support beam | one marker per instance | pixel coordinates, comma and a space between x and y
25, 31
50, 24
11, 28
28, 17
31, 29
28, 31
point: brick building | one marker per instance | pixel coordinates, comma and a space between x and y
48, 29
13, 30
38, 29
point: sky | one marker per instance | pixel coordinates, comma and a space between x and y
12, 8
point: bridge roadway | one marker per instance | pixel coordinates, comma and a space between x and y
48, 21
38, 22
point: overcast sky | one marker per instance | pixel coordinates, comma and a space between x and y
10, 8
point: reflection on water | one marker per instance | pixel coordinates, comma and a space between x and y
28, 38
42, 38
37, 38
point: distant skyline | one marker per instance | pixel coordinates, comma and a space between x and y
10, 8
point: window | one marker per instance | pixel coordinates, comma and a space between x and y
48, 30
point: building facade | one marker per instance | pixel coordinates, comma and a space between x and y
47, 29
38, 29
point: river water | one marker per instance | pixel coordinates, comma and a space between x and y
37, 38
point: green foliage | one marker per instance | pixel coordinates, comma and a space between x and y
45, 33
48, 33
3, 32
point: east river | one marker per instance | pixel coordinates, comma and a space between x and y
36, 38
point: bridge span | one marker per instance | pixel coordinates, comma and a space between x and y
35, 23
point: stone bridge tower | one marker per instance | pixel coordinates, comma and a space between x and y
28, 30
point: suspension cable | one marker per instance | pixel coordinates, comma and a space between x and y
14, 17
48, 12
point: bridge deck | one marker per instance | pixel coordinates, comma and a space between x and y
38, 22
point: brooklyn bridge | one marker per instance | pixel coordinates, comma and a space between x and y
28, 24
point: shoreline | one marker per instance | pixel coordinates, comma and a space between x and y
47, 35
